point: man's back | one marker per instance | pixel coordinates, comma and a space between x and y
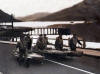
59, 43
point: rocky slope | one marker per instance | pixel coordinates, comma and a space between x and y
86, 10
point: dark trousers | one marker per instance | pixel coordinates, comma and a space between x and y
22, 52
73, 47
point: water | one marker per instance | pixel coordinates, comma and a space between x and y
45, 24
40, 24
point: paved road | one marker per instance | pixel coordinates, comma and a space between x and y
79, 65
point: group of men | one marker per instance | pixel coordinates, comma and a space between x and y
26, 42
42, 42
72, 42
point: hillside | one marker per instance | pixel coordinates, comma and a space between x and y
33, 16
4, 17
86, 10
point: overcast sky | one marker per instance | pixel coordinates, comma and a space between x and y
27, 7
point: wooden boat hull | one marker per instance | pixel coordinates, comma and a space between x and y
59, 53
29, 58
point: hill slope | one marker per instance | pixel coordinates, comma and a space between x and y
86, 10
33, 16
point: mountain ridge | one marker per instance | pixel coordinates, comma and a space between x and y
85, 10
33, 17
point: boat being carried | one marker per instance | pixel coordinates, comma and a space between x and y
27, 59
59, 53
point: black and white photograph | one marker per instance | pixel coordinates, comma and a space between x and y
49, 36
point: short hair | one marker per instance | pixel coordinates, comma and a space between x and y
74, 34
60, 36
40, 35
44, 34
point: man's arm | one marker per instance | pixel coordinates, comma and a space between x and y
79, 42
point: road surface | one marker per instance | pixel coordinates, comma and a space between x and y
76, 65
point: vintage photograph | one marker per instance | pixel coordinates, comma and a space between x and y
49, 37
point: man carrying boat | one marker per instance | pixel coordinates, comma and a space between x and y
28, 41
22, 49
59, 43
40, 45
45, 41
73, 41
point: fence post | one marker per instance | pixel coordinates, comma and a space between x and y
43, 30
84, 44
50, 31
31, 32
47, 31
37, 30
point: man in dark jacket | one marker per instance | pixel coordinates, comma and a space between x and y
40, 44
28, 42
59, 43
45, 41
73, 41
22, 49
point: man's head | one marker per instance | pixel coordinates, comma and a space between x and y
44, 35
22, 36
60, 36
40, 35
74, 35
